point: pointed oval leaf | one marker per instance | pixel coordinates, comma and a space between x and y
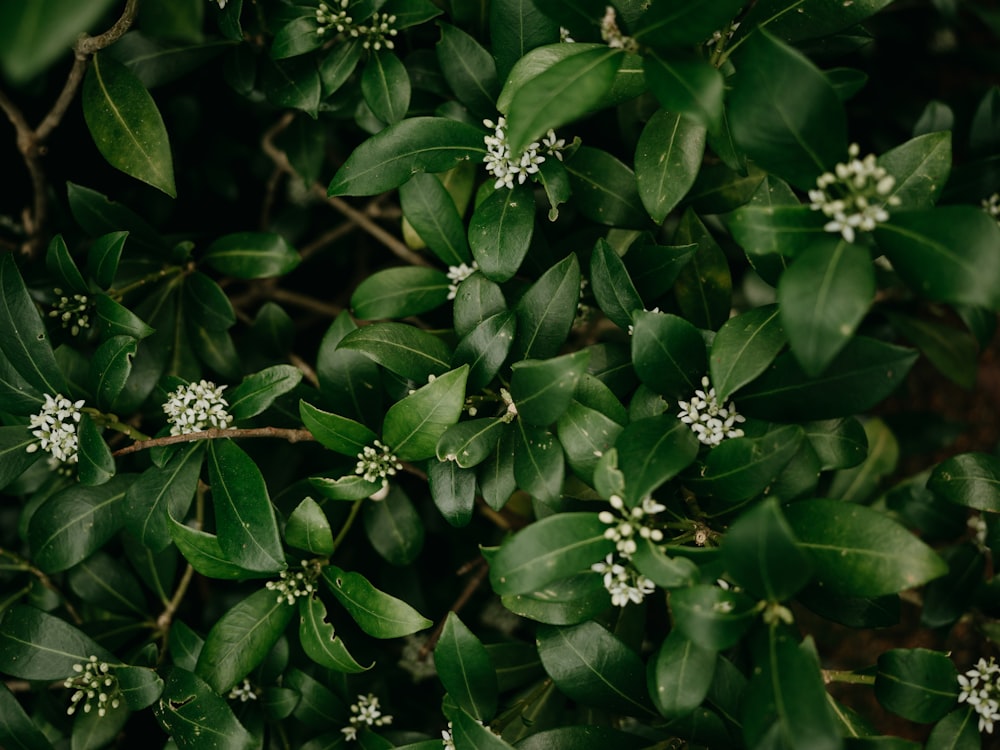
484, 349
385, 85
403, 349
413, 426
161, 493
95, 463
704, 287
308, 528
605, 189
205, 554
477, 299
466, 670
319, 642
711, 617
916, 683
400, 292
453, 490
349, 487
921, 167
585, 434
192, 712
539, 467
205, 300
35, 645
115, 319
566, 601
543, 389
546, 311
469, 69
744, 347
252, 255
500, 231
15, 440
470, 734
668, 354
969, 479
651, 451
679, 675
17, 730
394, 527
377, 613
667, 160
690, 87
335, 432
613, 287
668, 25
469, 443
258, 391
429, 208
110, 367
60, 263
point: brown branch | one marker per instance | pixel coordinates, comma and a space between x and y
482, 570
397, 246
289, 435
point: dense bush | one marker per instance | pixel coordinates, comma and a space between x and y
507, 371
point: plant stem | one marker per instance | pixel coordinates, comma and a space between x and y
26, 565
347, 525
847, 676
290, 435
112, 422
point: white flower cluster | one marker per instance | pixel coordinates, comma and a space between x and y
243, 692
991, 206
622, 581
410, 659
506, 167
375, 35
55, 427
71, 311
710, 421
564, 36
197, 407
93, 679
292, 586
365, 713
458, 274
854, 196
376, 462
611, 34
980, 688
327, 18
449, 741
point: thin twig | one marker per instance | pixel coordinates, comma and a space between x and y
289, 435
471, 586
397, 246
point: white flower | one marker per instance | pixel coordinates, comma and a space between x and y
243, 692
458, 274
554, 146
55, 427
991, 206
72, 312
327, 18
611, 34
710, 421
376, 462
222, 4
980, 688
292, 586
502, 164
623, 582
366, 712
449, 741
854, 196
197, 407
564, 35
93, 680
629, 524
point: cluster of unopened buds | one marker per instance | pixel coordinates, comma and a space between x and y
507, 167
979, 687
854, 196
95, 685
55, 426
613, 35
622, 581
376, 463
365, 713
197, 407
710, 421
292, 586
72, 311
375, 34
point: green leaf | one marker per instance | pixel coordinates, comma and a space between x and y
192, 713
765, 228
377, 613
469, 443
744, 347
793, 20
17, 731
126, 125
517, 26
394, 527
296, 34
783, 111
668, 354
539, 467
14, 456
293, 83
546, 311
418, 144
338, 64
308, 528
244, 516
824, 295
916, 683
258, 391
114, 319
466, 670
335, 432
469, 70
453, 490
839, 443
241, 639
24, 342
585, 435
654, 268
403, 349
857, 551
110, 367
39, 646
107, 583
858, 483
60, 263
605, 190
956, 731
98, 215
667, 160
593, 667
651, 451
484, 349
679, 675
385, 85
400, 292
953, 352
566, 601
945, 253
690, 87
704, 287
207, 303
500, 231
429, 208
556, 547
543, 389
478, 298
586, 737
679, 23
319, 642
969, 479
205, 554
469, 734
413, 426
560, 95
613, 287
350, 487
921, 167
95, 462
252, 255
865, 372
74, 522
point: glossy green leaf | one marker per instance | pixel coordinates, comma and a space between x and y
318, 706
192, 712
349, 487
613, 287
114, 319
126, 125
764, 229
258, 391
338, 64
469, 69
920, 167
711, 617
107, 583
839, 443
654, 268
403, 349
14, 456
215, 348
385, 86
453, 490
377, 613
916, 683
319, 642
35, 645
546, 311
417, 144
244, 516
60, 263
690, 87
394, 527
17, 731
308, 528
335, 432
465, 669
945, 253
292, 84
110, 367
593, 667
679, 675
953, 352
469, 443
823, 296
556, 547
858, 483
25, 342
793, 20
783, 112
584, 737
295, 34
469, 734
74, 522
864, 373
241, 638
566, 601
605, 190
477, 299
857, 551
744, 347
559, 95
500, 232
484, 349
205, 554
719, 189
651, 451
539, 467
431, 211
94, 460
666, 572
252, 255
413, 426
207, 302
99, 216
667, 159
969, 479
676, 23
704, 287
668, 354
543, 389
585, 435
956, 731
400, 292
741, 468
517, 26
